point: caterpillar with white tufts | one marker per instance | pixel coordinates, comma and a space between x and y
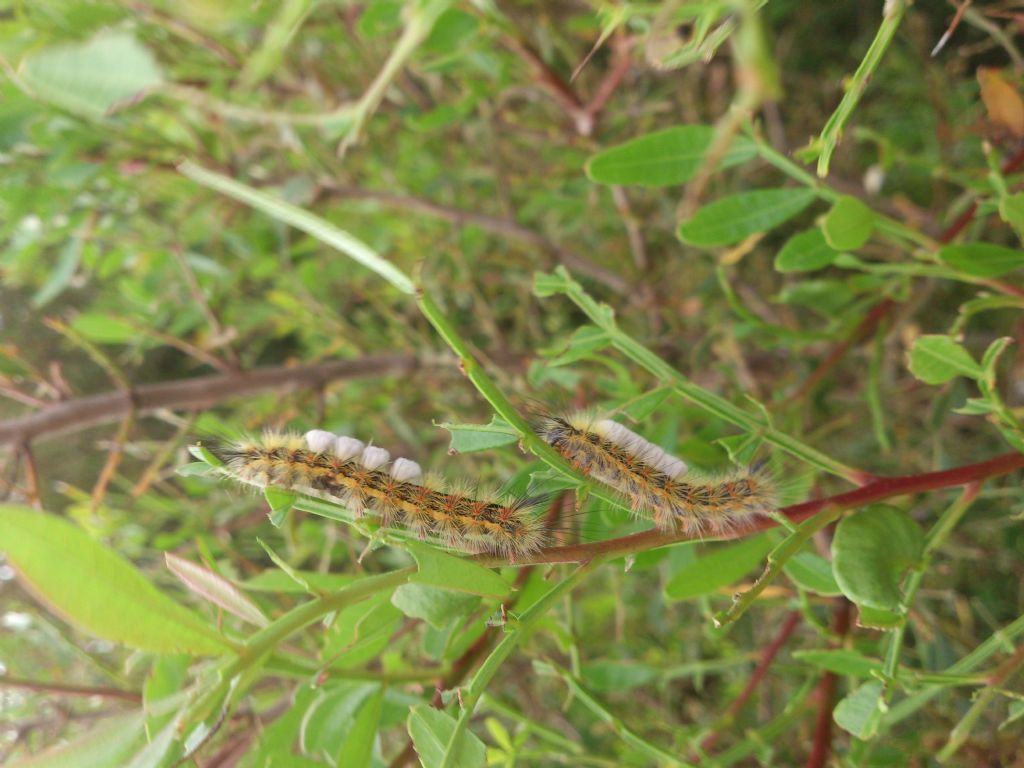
656, 484
362, 477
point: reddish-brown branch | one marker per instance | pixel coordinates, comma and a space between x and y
822, 745
68, 690
193, 394
864, 329
767, 659
867, 326
876, 490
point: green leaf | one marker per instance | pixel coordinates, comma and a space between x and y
111, 741
982, 259
879, 618
280, 502
439, 569
61, 274
617, 675
97, 590
547, 284
467, 438
840, 661
1011, 210
724, 566
805, 252
733, 218
848, 224
663, 158
813, 573
858, 713
584, 342
871, 551
95, 77
431, 729
215, 588
936, 359
104, 329
435, 606
639, 408
332, 724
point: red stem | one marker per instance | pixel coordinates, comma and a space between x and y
876, 490
767, 658
827, 693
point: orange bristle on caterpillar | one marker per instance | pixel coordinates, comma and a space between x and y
656, 484
362, 477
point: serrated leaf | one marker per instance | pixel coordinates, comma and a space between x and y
667, 157
432, 729
982, 259
859, 712
805, 252
215, 588
439, 569
97, 590
723, 566
871, 550
936, 359
467, 438
736, 217
92, 78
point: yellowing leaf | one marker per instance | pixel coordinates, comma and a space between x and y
1002, 101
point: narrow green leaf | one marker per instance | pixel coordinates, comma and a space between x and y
302, 220
280, 502
97, 590
848, 225
329, 724
435, 606
431, 730
936, 359
1011, 210
95, 77
879, 618
663, 158
841, 661
439, 569
871, 551
215, 588
111, 741
639, 408
733, 218
603, 676
723, 566
805, 252
859, 713
104, 329
467, 438
982, 259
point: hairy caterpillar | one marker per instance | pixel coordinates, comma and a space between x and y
363, 477
657, 484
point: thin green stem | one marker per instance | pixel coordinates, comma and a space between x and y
855, 87
603, 316
660, 756
526, 623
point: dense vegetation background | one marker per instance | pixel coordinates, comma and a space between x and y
784, 232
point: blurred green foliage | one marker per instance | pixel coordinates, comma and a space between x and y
480, 150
